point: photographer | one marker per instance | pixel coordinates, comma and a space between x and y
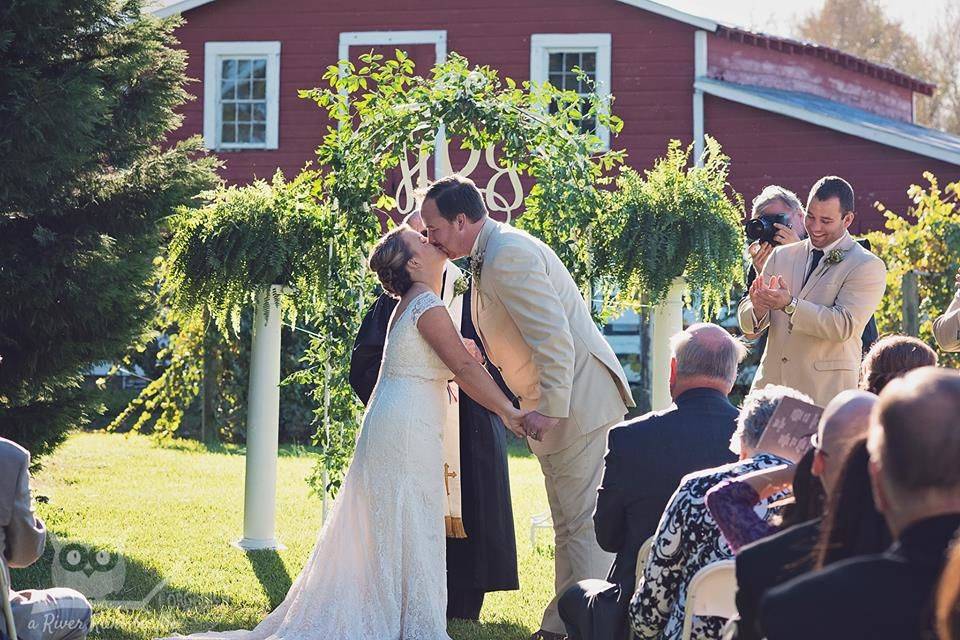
778, 214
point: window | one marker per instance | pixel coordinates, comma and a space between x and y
241, 95
554, 56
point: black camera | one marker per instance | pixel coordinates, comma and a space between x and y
762, 228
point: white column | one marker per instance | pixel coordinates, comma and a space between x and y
263, 425
699, 71
667, 320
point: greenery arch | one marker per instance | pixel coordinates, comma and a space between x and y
312, 234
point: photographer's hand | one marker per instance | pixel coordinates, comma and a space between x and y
785, 234
759, 252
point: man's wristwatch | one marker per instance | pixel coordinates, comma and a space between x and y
791, 307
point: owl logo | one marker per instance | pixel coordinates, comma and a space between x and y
93, 571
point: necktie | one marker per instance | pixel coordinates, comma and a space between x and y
817, 255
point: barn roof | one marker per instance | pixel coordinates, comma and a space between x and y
839, 117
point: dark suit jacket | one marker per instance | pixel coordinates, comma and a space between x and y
368, 347
876, 597
767, 563
646, 459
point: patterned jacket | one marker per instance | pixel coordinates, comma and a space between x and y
687, 539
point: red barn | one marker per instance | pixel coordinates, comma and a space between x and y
786, 112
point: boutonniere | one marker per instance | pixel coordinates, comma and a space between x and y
461, 286
835, 256
476, 264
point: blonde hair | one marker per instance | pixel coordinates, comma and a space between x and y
389, 261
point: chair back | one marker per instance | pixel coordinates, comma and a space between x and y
712, 592
9, 627
645, 550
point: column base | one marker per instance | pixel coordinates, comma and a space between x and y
253, 544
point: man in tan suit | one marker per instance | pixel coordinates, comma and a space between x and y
536, 328
47, 614
815, 297
946, 328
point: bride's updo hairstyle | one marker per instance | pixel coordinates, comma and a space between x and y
389, 261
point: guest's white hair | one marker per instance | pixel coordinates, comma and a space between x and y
757, 409
707, 350
772, 193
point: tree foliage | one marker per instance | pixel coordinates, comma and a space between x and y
90, 89
925, 239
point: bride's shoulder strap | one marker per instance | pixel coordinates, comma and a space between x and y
423, 303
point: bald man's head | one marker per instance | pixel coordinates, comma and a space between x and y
845, 420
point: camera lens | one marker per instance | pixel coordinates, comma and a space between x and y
756, 228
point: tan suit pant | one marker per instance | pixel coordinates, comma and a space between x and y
572, 476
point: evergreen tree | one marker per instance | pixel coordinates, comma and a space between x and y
88, 92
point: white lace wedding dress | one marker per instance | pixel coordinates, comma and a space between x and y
378, 570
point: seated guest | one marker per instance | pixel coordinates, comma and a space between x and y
687, 539
48, 614
891, 357
789, 553
692, 434
852, 525
914, 444
948, 597
946, 328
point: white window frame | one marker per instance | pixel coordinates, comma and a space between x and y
543, 44
213, 53
438, 38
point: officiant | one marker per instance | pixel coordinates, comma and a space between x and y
481, 543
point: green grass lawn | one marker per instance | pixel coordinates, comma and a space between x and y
169, 513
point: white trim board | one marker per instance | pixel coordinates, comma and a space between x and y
543, 44
674, 14
212, 52
884, 137
177, 7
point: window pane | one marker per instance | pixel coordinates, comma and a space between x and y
243, 90
228, 132
243, 69
572, 60
259, 111
589, 62
556, 62
259, 89
259, 133
228, 113
228, 89
260, 68
229, 69
556, 79
243, 133
243, 112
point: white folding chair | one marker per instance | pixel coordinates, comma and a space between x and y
645, 549
540, 521
712, 592
642, 557
9, 625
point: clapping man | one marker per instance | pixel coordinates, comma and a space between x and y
946, 328
814, 299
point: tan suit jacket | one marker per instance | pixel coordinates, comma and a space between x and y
536, 328
946, 328
818, 350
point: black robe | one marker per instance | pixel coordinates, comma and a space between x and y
486, 560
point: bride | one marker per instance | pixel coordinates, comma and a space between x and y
378, 570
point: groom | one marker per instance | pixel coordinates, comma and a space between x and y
536, 328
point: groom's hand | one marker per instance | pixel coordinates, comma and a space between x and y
536, 424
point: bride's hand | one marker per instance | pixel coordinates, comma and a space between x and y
513, 420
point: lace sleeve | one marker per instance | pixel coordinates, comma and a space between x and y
423, 303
